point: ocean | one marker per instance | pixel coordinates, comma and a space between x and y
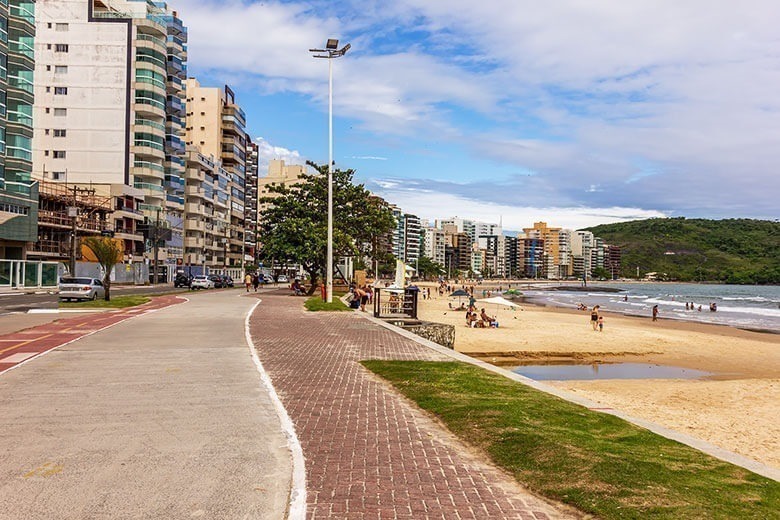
743, 306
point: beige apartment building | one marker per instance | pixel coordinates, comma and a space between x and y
215, 126
550, 235
207, 221
108, 108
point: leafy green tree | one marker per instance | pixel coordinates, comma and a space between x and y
427, 268
294, 224
108, 253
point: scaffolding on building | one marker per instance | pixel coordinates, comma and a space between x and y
55, 221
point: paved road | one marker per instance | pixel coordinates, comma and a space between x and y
160, 416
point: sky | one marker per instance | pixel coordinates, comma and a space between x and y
574, 112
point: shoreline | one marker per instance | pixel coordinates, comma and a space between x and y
735, 407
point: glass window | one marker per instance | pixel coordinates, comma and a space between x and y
60, 112
60, 69
59, 132
60, 91
61, 47
61, 27
58, 154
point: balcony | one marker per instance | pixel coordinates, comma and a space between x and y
195, 174
192, 224
194, 192
146, 106
194, 242
176, 106
143, 168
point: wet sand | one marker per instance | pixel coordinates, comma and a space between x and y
736, 408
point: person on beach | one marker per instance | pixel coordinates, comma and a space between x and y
594, 317
655, 312
601, 323
487, 321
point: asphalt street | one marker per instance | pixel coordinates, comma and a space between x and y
160, 416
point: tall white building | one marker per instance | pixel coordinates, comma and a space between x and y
581, 246
107, 107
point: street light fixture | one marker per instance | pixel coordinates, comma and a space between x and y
330, 52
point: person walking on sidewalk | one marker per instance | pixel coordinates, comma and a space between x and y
248, 281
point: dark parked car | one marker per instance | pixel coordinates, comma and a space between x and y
217, 279
182, 280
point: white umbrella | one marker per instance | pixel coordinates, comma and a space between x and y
499, 300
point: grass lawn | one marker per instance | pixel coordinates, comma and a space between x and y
117, 302
598, 463
315, 303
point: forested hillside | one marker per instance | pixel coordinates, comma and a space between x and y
740, 251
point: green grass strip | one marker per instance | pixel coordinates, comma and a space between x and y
315, 303
117, 302
596, 462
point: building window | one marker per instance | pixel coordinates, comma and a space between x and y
48, 68
48, 89
59, 112
59, 132
48, 46
14, 208
57, 175
61, 47
61, 27
46, 131
58, 154
60, 91
60, 69
46, 153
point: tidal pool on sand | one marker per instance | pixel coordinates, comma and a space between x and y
568, 372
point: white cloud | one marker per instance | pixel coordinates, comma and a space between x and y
438, 205
584, 94
267, 152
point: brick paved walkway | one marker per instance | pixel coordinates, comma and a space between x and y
369, 452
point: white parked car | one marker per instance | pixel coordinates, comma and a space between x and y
72, 288
282, 279
201, 282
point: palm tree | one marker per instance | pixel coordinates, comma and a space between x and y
108, 253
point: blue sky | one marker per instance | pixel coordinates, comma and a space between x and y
572, 112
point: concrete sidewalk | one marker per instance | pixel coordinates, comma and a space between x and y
369, 452
160, 416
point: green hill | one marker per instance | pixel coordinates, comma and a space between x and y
739, 251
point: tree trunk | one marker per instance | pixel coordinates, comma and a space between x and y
107, 287
313, 276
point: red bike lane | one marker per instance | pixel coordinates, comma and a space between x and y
24, 345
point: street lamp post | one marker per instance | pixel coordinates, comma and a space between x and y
330, 52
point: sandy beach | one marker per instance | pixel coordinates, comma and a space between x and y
735, 408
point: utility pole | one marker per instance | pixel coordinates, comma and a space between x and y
156, 245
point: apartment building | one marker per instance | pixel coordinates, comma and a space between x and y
250, 207
434, 245
108, 107
216, 126
18, 192
207, 219
581, 247
552, 252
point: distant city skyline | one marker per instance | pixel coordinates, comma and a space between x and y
575, 114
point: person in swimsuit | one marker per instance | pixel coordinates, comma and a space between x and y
594, 318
